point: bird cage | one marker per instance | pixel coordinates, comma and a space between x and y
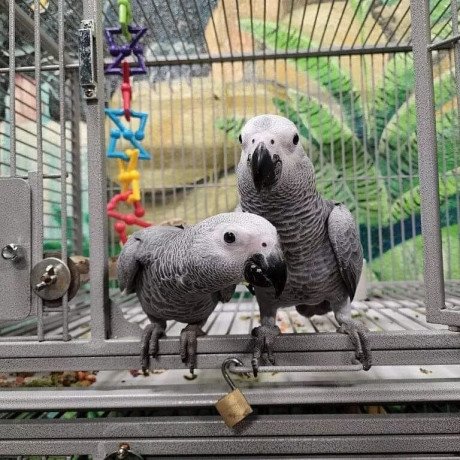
372, 87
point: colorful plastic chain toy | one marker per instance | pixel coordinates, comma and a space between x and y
128, 174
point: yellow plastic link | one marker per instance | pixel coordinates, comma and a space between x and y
129, 176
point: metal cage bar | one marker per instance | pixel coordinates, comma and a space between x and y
97, 183
428, 166
76, 164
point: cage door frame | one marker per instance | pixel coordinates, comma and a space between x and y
97, 184
436, 309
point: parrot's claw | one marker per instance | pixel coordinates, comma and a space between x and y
188, 344
255, 366
149, 344
264, 339
358, 336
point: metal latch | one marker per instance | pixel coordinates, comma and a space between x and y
15, 249
87, 57
124, 452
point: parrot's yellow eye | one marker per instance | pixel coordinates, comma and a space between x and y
229, 237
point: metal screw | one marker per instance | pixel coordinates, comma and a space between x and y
10, 252
89, 92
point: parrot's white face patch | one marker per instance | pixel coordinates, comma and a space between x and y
238, 236
278, 134
244, 240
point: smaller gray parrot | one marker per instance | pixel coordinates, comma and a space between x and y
182, 273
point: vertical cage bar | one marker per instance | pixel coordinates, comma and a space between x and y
455, 31
63, 168
428, 166
454, 6
37, 186
36, 243
76, 165
174, 148
12, 84
413, 171
97, 187
161, 155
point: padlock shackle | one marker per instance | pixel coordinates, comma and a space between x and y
225, 365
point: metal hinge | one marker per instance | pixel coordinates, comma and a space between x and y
87, 57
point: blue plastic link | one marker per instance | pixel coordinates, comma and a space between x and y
134, 137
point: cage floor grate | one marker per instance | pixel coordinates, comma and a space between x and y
389, 307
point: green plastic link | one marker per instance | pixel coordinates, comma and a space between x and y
125, 16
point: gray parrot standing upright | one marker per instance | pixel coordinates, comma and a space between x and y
319, 238
182, 273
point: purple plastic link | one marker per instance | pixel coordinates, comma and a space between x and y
120, 52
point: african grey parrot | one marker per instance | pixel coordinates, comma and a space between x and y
182, 273
321, 246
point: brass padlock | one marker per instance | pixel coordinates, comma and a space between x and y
232, 407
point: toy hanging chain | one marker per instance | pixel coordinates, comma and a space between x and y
128, 174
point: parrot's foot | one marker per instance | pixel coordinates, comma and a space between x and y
264, 339
358, 335
152, 333
188, 344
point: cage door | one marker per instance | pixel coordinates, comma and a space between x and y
15, 241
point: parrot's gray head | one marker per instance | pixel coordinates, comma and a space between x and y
243, 246
270, 145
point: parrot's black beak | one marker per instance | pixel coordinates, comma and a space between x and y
265, 272
262, 167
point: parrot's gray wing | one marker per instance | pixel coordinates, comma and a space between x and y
151, 242
225, 295
345, 242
